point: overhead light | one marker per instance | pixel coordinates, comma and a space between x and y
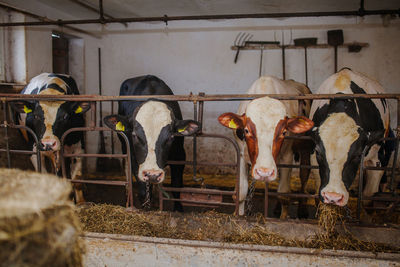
54, 35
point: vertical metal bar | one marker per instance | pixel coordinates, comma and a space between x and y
361, 182
101, 9
100, 87
6, 138
266, 200
195, 143
128, 172
392, 176
283, 63
160, 199
305, 63
93, 119
201, 112
396, 151
261, 60
112, 132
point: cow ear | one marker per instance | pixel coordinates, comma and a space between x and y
81, 107
231, 120
299, 124
22, 106
117, 123
187, 127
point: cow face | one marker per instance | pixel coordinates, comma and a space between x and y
339, 142
151, 130
50, 119
263, 128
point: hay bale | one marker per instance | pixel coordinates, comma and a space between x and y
38, 225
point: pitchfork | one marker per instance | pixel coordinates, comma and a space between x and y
240, 42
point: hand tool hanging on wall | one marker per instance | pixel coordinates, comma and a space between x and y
262, 45
305, 42
283, 58
240, 41
335, 38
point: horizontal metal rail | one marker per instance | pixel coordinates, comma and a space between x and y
200, 190
166, 18
197, 98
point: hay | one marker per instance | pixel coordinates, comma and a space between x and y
330, 217
213, 226
38, 225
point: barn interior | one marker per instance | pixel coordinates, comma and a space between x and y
195, 47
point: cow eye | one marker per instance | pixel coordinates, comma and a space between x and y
246, 131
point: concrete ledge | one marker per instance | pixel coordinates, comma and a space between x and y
122, 250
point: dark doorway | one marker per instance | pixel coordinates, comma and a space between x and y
60, 53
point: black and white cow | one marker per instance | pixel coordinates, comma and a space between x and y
155, 130
50, 119
342, 129
259, 129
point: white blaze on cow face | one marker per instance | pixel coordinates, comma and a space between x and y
265, 113
49, 140
338, 133
153, 117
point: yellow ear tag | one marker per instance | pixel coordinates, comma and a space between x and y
232, 125
78, 110
119, 126
181, 130
27, 110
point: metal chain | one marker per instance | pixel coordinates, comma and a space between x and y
147, 201
249, 198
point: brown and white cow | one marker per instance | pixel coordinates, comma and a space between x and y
343, 127
260, 127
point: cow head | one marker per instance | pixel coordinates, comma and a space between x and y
263, 127
151, 130
339, 142
50, 119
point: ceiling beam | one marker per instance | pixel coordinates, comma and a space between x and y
166, 18
44, 19
97, 11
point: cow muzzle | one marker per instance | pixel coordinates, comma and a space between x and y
153, 176
264, 174
49, 145
334, 198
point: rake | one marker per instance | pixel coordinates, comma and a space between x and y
240, 42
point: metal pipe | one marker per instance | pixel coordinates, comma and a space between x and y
43, 19
166, 18
230, 97
97, 11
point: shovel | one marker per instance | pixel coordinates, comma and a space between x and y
335, 38
305, 42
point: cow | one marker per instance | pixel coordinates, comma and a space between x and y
259, 129
343, 128
155, 130
49, 120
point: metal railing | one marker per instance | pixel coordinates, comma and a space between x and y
198, 115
